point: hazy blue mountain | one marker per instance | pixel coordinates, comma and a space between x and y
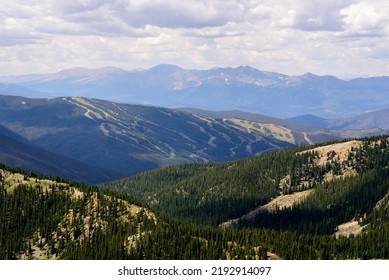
5, 132
242, 88
15, 151
309, 120
20, 90
12, 79
376, 119
370, 120
133, 138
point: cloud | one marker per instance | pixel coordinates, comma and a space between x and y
138, 14
13, 28
229, 30
78, 6
56, 18
18, 39
320, 15
367, 18
290, 36
306, 15
177, 14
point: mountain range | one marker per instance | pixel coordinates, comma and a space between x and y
213, 115
226, 163
115, 140
242, 88
126, 139
375, 119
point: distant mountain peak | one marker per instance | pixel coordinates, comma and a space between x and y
165, 68
246, 68
309, 74
111, 69
81, 72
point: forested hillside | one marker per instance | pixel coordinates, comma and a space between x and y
343, 182
235, 210
213, 193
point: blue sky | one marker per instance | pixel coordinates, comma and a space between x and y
341, 38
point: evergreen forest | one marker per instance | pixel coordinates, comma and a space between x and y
233, 210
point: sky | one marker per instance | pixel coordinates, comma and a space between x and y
344, 38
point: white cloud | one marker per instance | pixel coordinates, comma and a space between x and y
176, 13
320, 15
228, 30
293, 36
367, 18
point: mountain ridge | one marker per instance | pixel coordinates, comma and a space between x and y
128, 138
367, 120
18, 152
240, 88
135, 138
